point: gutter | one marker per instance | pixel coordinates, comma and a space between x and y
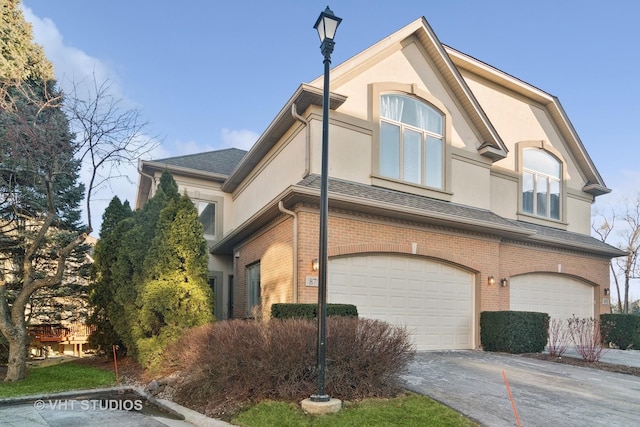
307, 139
295, 248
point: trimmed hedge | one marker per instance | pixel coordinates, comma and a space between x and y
624, 329
309, 311
513, 331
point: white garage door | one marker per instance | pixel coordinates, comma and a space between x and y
433, 300
561, 297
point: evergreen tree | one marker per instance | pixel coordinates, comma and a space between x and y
137, 233
20, 58
103, 287
175, 294
41, 233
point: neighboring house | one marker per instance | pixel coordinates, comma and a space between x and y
454, 188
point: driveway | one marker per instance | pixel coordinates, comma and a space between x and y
545, 393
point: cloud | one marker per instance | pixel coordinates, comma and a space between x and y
242, 138
72, 66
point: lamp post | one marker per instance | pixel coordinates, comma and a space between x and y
326, 25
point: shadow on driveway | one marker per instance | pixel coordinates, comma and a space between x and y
545, 393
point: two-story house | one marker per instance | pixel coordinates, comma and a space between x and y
454, 188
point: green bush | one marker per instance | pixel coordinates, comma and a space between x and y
513, 331
624, 329
310, 311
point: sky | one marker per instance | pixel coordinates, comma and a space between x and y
208, 75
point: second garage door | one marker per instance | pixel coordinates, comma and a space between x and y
560, 296
433, 300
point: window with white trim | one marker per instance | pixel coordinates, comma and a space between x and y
541, 183
207, 217
411, 141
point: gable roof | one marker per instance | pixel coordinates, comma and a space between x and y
595, 184
219, 162
492, 146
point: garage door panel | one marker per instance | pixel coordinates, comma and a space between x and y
560, 296
433, 300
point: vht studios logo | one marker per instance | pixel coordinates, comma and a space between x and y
88, 405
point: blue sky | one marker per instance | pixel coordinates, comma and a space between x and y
210, 75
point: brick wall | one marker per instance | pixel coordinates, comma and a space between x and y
349, 233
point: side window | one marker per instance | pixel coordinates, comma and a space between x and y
207, 216
411, 141
541, 183
253, 286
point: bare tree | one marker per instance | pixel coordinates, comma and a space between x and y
110, 135
40, 230
626, 223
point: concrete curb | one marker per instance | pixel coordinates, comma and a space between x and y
189, 415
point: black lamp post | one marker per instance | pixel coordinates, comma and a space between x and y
326, 25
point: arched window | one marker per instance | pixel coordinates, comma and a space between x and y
541, 179
411, 141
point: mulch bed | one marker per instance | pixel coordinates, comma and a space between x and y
621, 369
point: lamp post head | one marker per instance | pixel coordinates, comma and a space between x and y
326, 25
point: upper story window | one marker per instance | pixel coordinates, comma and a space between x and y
207, 216
411, 141
541, 183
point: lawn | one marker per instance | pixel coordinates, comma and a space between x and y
408, 410
56, 378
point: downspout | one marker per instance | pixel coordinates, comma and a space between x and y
295, 248
307, 140
151, 178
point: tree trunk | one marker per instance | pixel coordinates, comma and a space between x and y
17, 366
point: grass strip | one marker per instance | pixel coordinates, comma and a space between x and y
407, 410
64, 376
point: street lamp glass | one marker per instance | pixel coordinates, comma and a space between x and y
327, 24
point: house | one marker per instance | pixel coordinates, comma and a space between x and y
454, 188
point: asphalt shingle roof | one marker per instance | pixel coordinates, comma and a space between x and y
220, 162
433, 206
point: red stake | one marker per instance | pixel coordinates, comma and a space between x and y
115, 361
515, 411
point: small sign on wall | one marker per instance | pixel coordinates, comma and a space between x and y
605, 301
311, 281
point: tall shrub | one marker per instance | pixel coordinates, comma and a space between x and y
175, 293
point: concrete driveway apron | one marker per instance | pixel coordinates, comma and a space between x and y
545, 393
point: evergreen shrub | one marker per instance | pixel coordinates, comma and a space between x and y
513, 331
624, 329
310, 311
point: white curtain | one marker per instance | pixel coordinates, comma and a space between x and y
391, 107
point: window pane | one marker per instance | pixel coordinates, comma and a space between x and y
253, 282
434, 161
391, 107
527, 192
540, 161
541, 196
390, 150
207, 216
412, 157
554, 199
435, 122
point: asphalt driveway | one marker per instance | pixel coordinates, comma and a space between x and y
545, 393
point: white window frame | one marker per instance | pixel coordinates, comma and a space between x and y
425, 162
253, 286
540, 182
